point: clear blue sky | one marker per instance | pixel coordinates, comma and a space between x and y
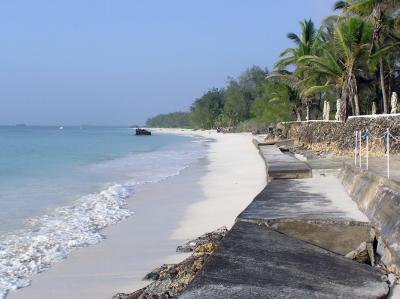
119, 62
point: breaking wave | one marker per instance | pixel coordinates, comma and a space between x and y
48, 239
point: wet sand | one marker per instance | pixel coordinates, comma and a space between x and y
203, 197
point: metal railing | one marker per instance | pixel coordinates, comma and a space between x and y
365, 137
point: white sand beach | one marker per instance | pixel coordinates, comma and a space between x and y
203, 197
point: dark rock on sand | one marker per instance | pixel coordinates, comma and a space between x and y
170, 280
134, 295
212, 237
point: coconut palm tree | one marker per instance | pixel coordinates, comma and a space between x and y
376, 11
342, 59
307, 43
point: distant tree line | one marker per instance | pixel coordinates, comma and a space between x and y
351, 61
250, 96
170, 120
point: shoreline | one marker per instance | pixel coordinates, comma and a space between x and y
208, 194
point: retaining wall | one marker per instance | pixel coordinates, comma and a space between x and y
339, 137
379, 199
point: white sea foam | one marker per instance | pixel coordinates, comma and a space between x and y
49, 239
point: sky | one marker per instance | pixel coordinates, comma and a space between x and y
99, 62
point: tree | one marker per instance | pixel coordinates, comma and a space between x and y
343, 58
276, 102
375, 10
170, 120
236, 107
240, 94
308, 43
294, 85
207, 108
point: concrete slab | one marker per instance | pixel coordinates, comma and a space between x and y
316, 210
328, 163
286, 142
283, 166
321, 198
253, 261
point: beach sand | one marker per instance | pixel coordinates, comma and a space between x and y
204, 197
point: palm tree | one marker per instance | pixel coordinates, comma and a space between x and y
295, 87
306, 44
342, 59
375, 10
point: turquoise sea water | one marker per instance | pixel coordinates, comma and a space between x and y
59, 187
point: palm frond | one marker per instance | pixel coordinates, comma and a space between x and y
284, 62
339, 5
313, 90
288, 51
292, 36
320, 64
381, 52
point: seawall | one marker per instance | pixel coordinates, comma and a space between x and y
319, 229
339, 137
379, 199
291, 240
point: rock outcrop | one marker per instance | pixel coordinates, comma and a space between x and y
204, 240
170, 280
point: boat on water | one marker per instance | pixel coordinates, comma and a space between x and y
142, 132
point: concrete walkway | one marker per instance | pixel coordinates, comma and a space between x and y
290, 241
256, 262
377, 165
283, 166
316, 210
313, 198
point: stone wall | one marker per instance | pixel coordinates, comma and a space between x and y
339, 136
379, 199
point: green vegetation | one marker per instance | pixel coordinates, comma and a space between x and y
353, 57
205, 110
171, 120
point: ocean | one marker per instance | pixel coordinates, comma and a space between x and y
60, 187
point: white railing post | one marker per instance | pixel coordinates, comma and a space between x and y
367, 137
388, 151
355, 149
360, 153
